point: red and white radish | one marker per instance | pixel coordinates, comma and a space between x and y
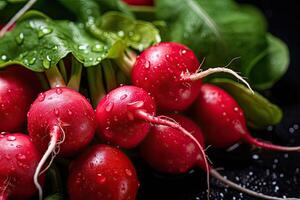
18, 88
18, 161
60, 121
103, 172
168, 151
164, 71
223, 121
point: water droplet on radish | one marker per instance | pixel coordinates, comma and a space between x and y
182, 51
20, 38
236, 109
136, 104
128, 172
58, 91
20, 157
101, 179
147, 64
124, 96
70, 112
109, 107
56, 112
41, 97
11, 138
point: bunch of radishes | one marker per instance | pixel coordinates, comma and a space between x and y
61, 123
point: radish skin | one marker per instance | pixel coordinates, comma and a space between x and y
102, 172
221, 117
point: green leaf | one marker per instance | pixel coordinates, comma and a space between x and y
271, 64
259, 112
136, 34
220, 31
54, 197
38, 43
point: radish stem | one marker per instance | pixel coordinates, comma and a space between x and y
75, 79
109, 74
42, 79
126, 61
63, 70
96, 85
54, 77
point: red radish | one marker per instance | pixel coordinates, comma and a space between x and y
223, 121
124, 116
60, 121
140, 2
103, 172
18, 160
16, 94
168, 151
163, 70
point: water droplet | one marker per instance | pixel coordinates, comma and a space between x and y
121, 33
44, 31
58, 91
124, 96
147, 64
41, 97
83, 47
236, 109
54, 48
21, 156
97, 48
255, 156
128, 172
70, 112
20, 38
136, 104
182, 51
47, 62
56, 112
3, 57
101, 178
109, 106
11, 138
32, 61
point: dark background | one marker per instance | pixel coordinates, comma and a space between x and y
268, 172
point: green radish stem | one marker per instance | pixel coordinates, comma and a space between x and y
121, 77
96, 85
75, 79
63, 70
42, 79
55, 179
54, 77
126, 61
109, 74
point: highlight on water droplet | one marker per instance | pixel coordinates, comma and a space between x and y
97, 48
47, 62
3, 57
11, 138
134, 37
20, 38
109, 106
44, 31
83, 47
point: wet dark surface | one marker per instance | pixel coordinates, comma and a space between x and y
268, 172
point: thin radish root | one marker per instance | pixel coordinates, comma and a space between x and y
235, 186
19, 14
167, 122
249, 139
54, 134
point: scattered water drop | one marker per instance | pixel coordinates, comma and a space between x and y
109, 107
56, 112
32, 60
255, 156
124, 96
41, 97
147, 64
182, 51
70, 112
128, 172
97, 48
20, 156
236, 109
20, 38
136, 104
58, 91
101, 178
134, 37
47, 62
83, 47
121, 33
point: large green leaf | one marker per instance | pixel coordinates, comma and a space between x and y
38, 43
220, 31
271, 64
259, 112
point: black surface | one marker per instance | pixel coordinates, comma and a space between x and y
268, 172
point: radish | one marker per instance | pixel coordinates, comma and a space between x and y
164, 71
168, 151
124, 116
18, 88
103, 172
18, 160
221, 117
60, 121
140, 2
